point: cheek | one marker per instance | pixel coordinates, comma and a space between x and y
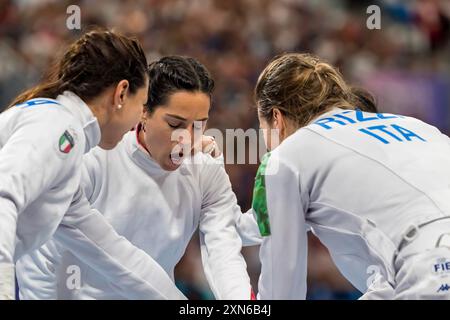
129, 118
132, 122
135, 113
266, 137
268, 140
271, 137
266, 133
158, 138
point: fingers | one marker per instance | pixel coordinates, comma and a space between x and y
209, 146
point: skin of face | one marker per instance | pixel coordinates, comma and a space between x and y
276, 130
171, 128
266, 127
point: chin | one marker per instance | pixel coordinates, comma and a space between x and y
172, 167
168, 165
107, 145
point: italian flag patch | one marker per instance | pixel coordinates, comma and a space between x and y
66, 142
259, 203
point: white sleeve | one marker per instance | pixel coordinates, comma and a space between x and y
133, 274
245, 222
37, 273
379, 290
225, 267
39, 276
7, 284
247, 228
30, 164
446, 138
92, 173
280, 215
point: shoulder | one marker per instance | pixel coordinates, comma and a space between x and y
206, 164
205, 171
46, 122
48, 113
96, 154
296, 147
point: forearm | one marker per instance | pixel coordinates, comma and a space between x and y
7, 283
37, 273
247, 228
133, 273
8, 226
224, 266
283, 252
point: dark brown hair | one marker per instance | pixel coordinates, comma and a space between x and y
176, 73
363, 100
99, 59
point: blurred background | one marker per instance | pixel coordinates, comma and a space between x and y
405, 64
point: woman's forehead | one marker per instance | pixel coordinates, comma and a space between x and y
188, 105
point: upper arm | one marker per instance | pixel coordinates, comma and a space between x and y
247, 228
219, 207
91, 174
41, 153
42, 150
281, 219
221, 245
218, 200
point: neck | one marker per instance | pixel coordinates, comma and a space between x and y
98, 107
290, 128
141, 138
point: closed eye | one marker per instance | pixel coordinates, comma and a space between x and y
199, 124
174, 126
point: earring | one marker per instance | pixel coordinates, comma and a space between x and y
119, 106
143, 125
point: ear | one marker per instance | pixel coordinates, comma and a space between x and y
121, 94
144, 111
145, 115
278, 121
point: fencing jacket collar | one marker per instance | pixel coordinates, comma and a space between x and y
83, 113
141, 156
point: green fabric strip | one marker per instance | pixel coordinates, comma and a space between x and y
259, 203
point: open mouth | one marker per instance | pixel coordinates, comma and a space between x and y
177, 157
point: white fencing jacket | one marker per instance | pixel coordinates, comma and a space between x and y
42, 143
158, 211
360, 181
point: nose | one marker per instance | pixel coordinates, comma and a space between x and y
192, 135
196, 134
184, 140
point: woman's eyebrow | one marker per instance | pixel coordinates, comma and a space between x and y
183, 119
175, 116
